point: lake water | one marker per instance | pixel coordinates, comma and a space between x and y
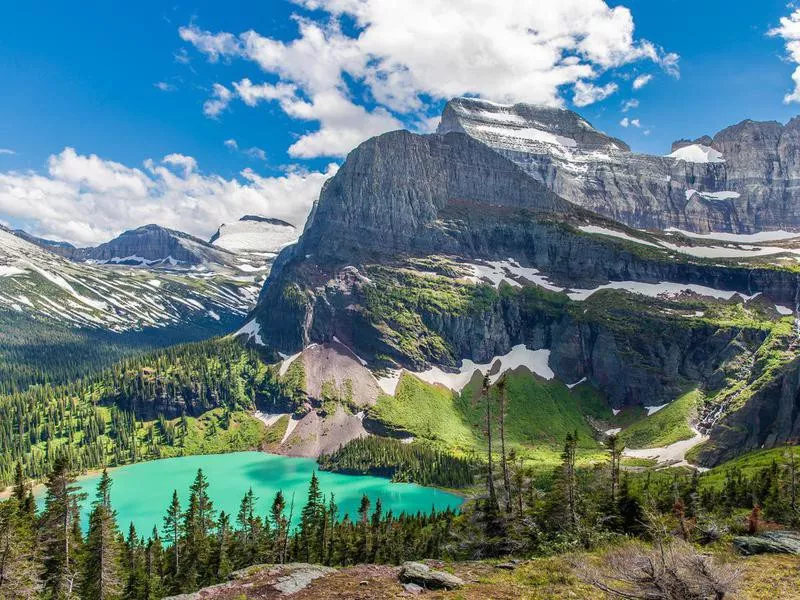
141, 493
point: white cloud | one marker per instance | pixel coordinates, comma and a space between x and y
404, 57
256, 153
630, 104
6, 151
231, 144
588, 93
186, 163
641, 81
164, 86
220, 98
626, 122
87, 200
789, 30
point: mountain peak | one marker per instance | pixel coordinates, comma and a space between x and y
525, 127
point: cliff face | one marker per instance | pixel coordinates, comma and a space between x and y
743, 180
391, 189
402, 257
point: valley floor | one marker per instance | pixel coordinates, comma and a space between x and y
762, 577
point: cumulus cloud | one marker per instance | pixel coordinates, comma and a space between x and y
626, 122
405, 57
641, 81
789, 31
164, 86
220, 98
86, 199
231, 144
588, 93
630, 104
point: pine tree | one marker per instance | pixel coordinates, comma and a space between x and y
221, 560
154, 568
501, 388
310, 522
280, 526
102, 573
19, 563
172, 531
60, 533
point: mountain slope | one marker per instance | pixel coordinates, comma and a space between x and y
437, 253
743, 180
60, 317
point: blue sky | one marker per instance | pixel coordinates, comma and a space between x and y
85, 76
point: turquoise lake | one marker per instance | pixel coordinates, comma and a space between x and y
141, 492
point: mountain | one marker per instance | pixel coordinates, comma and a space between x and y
255, 234
153, 246
436, 256
58, 312
743, 180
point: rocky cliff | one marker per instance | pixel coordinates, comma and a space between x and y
744, 179
427, 250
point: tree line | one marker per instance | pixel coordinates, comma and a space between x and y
48, 556
399, 461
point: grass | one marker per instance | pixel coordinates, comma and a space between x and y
539, 414
665, 427
426, 411
749, 464
206, 434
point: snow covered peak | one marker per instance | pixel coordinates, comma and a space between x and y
525, 127
697, 153
255, 234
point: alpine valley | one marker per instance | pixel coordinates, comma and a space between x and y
589, 344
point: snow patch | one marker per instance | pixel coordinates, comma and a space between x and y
8, 271
287, 362
651, 410
253, 331
519, 356
289, 429
269, 419
713, 195
742, 238
697, 153
673, 454
783, 310
617, 234
577, 383
654, 290
529, 133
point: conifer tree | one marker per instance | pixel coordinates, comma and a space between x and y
102, 574
61, 534
280, 526
172, 532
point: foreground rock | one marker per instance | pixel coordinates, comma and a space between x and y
772, 542
423, 576
263, 581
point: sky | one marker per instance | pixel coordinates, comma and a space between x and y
115, 115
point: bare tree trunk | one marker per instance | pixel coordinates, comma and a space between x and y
490, 482
503, 459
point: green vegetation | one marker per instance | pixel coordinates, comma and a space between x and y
400, 300
750, 464
665, 427
183, 400
399, 461
538, 415
426, 411
197, 545
36, 352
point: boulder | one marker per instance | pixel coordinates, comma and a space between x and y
422, 575
772, 542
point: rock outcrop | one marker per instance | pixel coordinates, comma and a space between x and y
753, 185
